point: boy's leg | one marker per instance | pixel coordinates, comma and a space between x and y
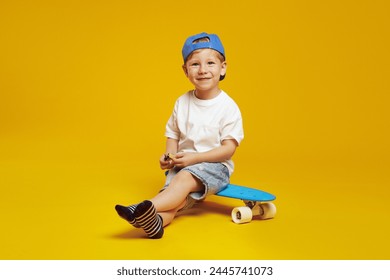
127, 213
153, 223
168, 216
176, 193
147, 217
152, 215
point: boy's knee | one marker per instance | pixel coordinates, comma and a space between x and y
185, 175
185, 179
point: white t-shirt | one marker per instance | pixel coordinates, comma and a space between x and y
201, 125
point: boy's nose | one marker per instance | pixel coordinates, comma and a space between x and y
202, 68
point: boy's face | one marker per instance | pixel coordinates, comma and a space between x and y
204, 68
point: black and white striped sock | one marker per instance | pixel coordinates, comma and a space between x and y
127, 213
146, 216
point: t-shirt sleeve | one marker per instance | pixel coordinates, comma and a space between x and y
171, 128
233, 127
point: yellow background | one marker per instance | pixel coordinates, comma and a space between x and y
87, 86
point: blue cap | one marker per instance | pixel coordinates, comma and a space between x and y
213, 43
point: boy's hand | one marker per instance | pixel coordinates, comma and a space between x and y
182, 160
166, 161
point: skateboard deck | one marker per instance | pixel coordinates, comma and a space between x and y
257, 203
245, 193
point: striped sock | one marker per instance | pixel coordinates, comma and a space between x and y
127, 213
147, 217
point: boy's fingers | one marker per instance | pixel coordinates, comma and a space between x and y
179, 155
169, 156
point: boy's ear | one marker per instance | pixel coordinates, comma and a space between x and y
185, 70
224, 67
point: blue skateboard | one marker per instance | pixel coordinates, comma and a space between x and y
257, 203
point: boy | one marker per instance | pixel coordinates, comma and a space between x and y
202, 133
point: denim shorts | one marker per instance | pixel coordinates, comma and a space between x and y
213, 175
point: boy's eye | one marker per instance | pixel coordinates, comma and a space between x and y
195, 64
210, 62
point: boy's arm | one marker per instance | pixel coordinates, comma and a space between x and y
220, 154
171, 146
